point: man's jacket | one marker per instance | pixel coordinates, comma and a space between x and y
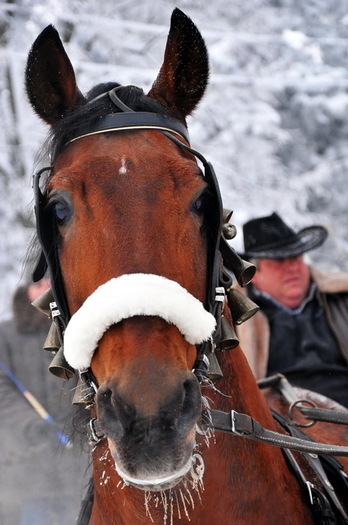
254, 334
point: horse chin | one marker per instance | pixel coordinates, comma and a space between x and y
157, 483
152, 481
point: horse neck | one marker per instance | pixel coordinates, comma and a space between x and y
245, 469
238, 389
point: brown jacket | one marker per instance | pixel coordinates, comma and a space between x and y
254, 334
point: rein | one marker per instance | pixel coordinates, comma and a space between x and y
246, 426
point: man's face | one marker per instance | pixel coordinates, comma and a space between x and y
287, 280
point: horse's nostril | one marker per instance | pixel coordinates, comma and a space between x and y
177, 412
192, 399
106, 394
105, 402
188, 390
183, 408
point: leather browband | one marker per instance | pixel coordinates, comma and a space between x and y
137, 120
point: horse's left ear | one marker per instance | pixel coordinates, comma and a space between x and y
50, 78
184, 74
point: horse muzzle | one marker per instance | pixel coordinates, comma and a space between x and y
194, 468
153, 448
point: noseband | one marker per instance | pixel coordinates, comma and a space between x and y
137, 294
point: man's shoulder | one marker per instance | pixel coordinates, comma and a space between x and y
330, 282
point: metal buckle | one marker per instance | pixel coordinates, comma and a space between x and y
220, 294
85, 376
54, 310
246, 424
310, 486
93, 437
233, 423
90, 387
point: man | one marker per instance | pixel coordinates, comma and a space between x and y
41, 480
301, 329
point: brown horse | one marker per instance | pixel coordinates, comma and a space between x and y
130, 230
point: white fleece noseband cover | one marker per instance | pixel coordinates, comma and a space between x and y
128, 296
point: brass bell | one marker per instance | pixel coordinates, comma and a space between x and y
229, 231
226, 215
228, 339
52, 342
242, 308
214, 373
84, 394
42, 303
60, 367
244, 272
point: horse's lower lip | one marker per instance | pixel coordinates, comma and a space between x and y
157, 483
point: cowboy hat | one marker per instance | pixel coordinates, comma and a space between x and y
270, 238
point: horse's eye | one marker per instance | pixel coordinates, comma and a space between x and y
62, 212
199, 205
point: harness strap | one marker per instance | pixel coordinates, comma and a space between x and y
246, 426
86, 505
309, 412
324, 414
137, 120
324, 500
319, 503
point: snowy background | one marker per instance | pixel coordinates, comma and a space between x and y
274, 121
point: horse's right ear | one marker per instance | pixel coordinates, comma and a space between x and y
50, 78
183, 77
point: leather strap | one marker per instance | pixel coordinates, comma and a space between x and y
246, 426
137, 120
313, 413
323, 414
86, 505
319, 502
322, 505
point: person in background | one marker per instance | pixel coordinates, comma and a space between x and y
301, 329
42, 478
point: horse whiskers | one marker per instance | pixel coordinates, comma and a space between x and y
147, 496
184, 505
179, 499
208, 432
104, 479
210, 384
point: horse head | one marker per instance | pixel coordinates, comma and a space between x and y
124, 223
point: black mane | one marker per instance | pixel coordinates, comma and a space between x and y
85, 116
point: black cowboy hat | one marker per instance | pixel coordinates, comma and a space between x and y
270, 238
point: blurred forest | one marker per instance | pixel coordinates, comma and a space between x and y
274, 121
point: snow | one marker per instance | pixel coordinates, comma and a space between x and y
273, 122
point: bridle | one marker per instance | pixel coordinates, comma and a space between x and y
222, 258
222, 262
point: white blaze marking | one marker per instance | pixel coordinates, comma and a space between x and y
123, 169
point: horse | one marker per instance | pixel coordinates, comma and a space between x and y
133, 235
